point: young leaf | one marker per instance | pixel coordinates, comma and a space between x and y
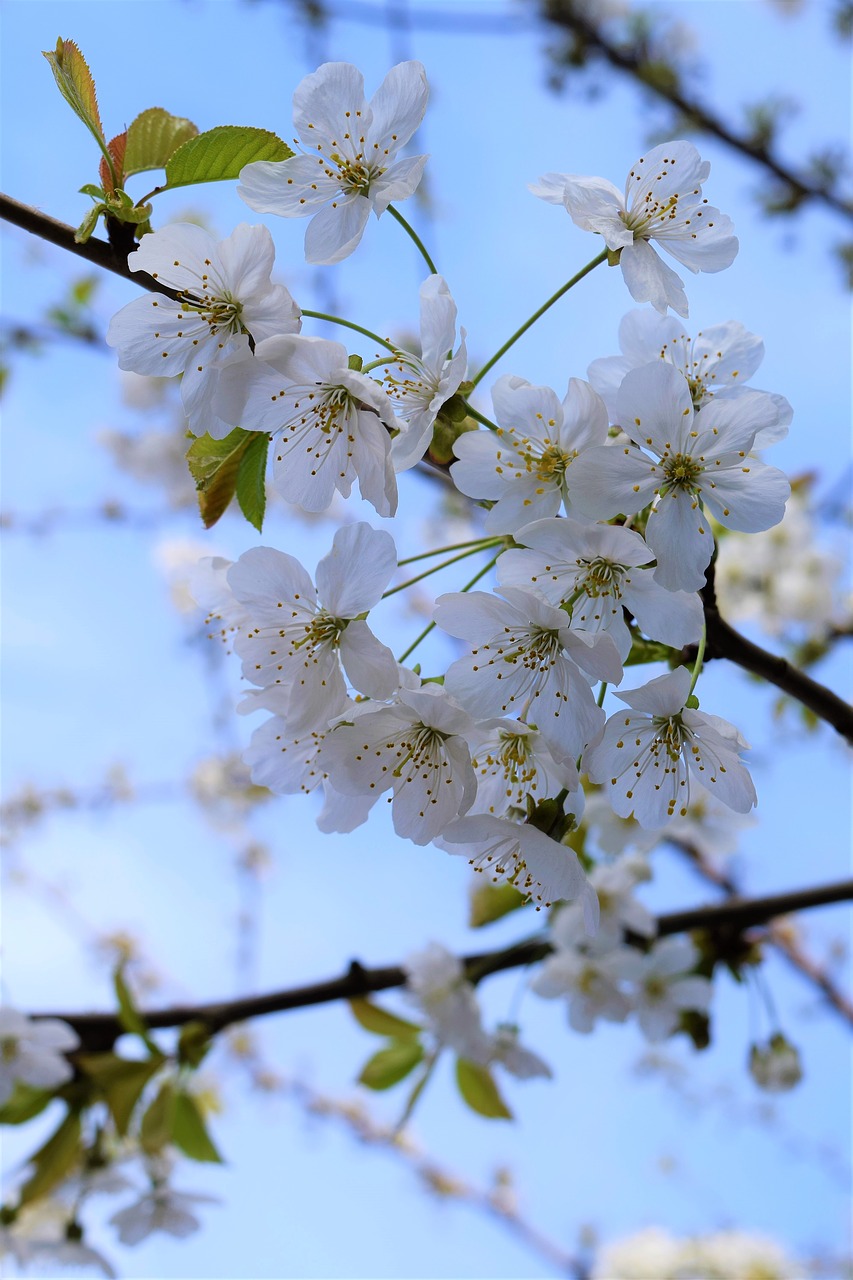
25, 1103
54, 1159
128, 1014
158, 1122
153, 138
194, 1043
116, 147
76, 85
215, 467
121, 1080
189, 1131
382, 1023
219, 154
389, 1066
493, 901
480, 1091
251, 474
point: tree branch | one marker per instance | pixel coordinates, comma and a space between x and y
724, 642
99, 1031
566, 15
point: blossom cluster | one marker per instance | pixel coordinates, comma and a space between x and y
600, 507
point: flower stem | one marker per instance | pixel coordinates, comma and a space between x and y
471, 551
410, 231
350, 324
454, 546
590, 266
429, 627
480, 417
700, 655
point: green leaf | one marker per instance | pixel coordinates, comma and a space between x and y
215, 467
479, 1090
121, 1080
158, 1122
25, 1103
116, 148
75, 83
381, 1022
492, 902
189, 1131
153, 138
219, 154
389, 1066
87, 226
194, 1043
128, 1014
54, 1159
251, 479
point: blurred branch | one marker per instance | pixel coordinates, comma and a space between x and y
101, 1030
778, 934
628, 56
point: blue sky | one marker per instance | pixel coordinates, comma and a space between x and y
99, 669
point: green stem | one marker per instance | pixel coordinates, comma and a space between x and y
410, 231
350, 324
454, 546
602, 691
700, 655
480, 417
429, 627
471, 551
420, 1085
590, 266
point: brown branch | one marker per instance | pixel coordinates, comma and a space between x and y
778, 935
565, 14
99, 1031
724, 642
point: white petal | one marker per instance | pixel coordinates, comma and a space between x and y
334, 232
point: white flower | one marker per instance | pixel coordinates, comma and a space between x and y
591, 983
350, 166
539, 867
775, 1066
420, 385
524, 467
161, 1209
666, 987
226, 297
592, 571
524, 663
646, 756
512, 761
436, 982
663, 201
414, 746
32, 1051
619, 909
329, 424
718, 362
697, 460
304, 638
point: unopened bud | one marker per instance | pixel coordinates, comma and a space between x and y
775, 1066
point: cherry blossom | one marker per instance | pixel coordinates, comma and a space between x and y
775, 1066
304, 638
349, 166
225, 297
416, 747
420, 385
329, 424
592, 571
592, 983
526, 662
521, 855
666, 986
717, 362
684, 461
662, 201
32, 1051
648, 755
513, 762
160, 1209
524, 466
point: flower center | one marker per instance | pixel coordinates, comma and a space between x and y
355, 176
670, 736
681, 471
553, 463
602, 578
651, 217
323, 630
8, 1048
